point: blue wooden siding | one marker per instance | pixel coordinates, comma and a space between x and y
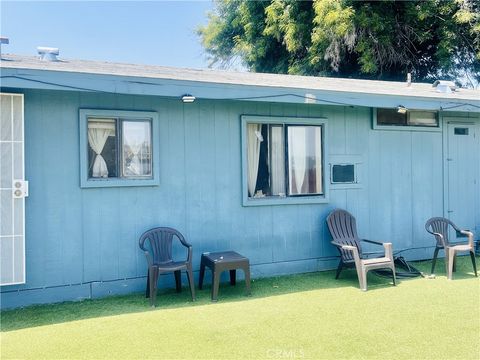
83, 243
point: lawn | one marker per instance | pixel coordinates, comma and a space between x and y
290, 317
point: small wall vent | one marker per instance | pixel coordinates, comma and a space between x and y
48, 53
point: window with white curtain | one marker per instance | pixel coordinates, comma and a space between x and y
284, 160
118, 148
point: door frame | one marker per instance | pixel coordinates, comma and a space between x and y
448, 120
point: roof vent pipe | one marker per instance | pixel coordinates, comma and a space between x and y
444, 86
3, 41
48, 53
409, 79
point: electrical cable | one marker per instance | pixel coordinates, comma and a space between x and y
400, 262
53, 84
311, 98
287, 94
458, 105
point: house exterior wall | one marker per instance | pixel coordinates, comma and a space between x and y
83, 242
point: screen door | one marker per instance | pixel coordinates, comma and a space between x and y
462, 176
13, 190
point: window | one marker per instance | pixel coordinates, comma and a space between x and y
118, 148
283, 159
461, 131
391, 117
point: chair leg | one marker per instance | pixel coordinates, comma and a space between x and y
434, 261
472, 256
215, 284
339, 269
362, 278
394, 276
153, 285
363, 286
246, 271
178, 281
201, 275
451, 261
191, 282
147, 291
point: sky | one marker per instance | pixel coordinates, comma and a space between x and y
153, 32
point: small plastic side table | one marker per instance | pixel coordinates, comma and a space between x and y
219, 262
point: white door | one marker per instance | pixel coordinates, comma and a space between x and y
13, 190
462, 175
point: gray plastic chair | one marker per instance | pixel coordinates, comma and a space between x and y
438, 227
159, 259
343, 228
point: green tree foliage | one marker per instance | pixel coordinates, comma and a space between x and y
363, 39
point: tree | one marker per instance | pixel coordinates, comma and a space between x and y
346, 38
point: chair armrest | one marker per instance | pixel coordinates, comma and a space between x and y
353, 249
149, 258
388, 250
188, 246
441, 237
371, 242
337, 244
185, 243
469, 234
344, 247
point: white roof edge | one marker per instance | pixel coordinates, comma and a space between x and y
345, 85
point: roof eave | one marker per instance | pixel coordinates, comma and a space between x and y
22, 78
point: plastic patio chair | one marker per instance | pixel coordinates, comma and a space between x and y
343, 228
438, 227
159, 259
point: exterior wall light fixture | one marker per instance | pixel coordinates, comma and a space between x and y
187, 98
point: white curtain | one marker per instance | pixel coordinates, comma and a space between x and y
318, 159
136, 137
136, 166
254, 138
278, 161
98, 133
298, 156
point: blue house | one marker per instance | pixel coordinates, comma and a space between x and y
94, 153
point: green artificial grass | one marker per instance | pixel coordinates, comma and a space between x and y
308, 316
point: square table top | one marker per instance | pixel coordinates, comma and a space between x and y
224, 256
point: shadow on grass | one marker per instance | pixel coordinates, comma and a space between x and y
39, 315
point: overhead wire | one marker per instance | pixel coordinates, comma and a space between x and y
305, 97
